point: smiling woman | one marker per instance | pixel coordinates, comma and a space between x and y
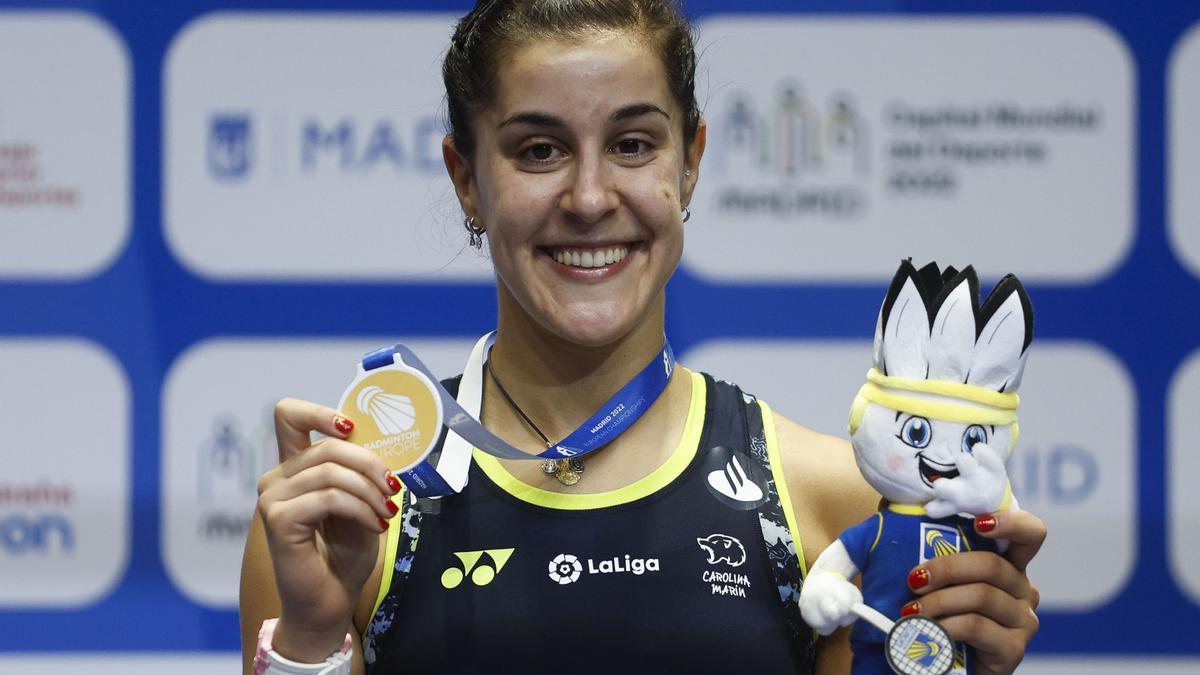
574, 150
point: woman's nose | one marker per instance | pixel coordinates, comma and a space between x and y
592, 194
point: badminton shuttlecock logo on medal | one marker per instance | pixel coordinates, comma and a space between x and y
404, 410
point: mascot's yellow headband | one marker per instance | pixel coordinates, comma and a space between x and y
990, 407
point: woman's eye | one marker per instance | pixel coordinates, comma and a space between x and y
916, 432
632, 146
540, 152
974, 434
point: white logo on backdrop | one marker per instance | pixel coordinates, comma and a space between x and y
1183, 508
64, 145
920, 138
219, 438
1183, 150
1069, 468
345, 144
64, 490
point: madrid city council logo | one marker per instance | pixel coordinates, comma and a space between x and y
565, 569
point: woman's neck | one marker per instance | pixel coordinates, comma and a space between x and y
559, 384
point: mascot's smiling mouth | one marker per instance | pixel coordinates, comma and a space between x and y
931, 470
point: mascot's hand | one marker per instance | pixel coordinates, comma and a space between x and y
979, 487
825, 601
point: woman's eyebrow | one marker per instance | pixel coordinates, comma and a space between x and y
544, 119
636, 110
539, 119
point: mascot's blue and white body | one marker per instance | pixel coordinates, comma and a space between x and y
932, 429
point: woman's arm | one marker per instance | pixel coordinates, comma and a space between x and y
313, 556
981, 598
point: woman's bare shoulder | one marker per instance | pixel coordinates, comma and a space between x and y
827, 492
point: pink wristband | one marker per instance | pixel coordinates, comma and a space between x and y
265, 655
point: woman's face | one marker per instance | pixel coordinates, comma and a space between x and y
579, 178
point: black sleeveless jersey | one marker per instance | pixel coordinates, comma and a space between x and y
690, 569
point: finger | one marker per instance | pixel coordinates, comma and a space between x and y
967, 568
988, 459
1004, 646
1024, 531
978, 598
294, 520
331, 475
296, 419
966, 464
347, 454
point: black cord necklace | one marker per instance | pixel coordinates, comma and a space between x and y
567, 471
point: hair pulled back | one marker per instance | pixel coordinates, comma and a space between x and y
494, 26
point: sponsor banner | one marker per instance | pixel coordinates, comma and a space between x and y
64, 145
218, 438
990, 140
1183, 150
334, 170
1067, 468
64, 488
1183, 501
106, 663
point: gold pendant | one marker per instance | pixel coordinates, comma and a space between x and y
566, 476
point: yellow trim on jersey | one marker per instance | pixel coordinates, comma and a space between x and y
689, 442
781, 486
907, 509
966, 392
389, 560
878, 532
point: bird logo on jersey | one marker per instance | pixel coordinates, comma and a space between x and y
722, 547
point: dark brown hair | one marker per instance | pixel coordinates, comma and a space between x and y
494, 26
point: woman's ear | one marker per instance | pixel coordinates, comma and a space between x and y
691, 162
461, 175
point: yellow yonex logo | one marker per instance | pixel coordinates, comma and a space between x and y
483, 566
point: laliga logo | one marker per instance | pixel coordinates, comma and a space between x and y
392, 413
565, 569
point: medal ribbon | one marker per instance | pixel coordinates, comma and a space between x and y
610, 421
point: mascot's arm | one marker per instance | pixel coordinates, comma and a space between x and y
981, 486
828, 593
828, 494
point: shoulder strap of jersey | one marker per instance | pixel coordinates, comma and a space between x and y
746, 436
392, 581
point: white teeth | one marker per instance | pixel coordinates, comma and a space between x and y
589, 258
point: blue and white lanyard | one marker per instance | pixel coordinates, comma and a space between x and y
609, 422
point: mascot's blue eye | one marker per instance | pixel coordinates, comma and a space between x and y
974, 434
916, 432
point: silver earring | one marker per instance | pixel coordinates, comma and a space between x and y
475, 232
687, 214
687, 172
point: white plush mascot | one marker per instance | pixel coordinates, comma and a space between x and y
932, 429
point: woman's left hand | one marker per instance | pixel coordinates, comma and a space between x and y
985, 599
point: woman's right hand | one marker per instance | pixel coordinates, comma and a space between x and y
323, 508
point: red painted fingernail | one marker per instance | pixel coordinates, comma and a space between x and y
911, 608
343, 425
918, 578
985, 523
383, 523
393, 482
392, 508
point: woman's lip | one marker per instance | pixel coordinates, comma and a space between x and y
590, 274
